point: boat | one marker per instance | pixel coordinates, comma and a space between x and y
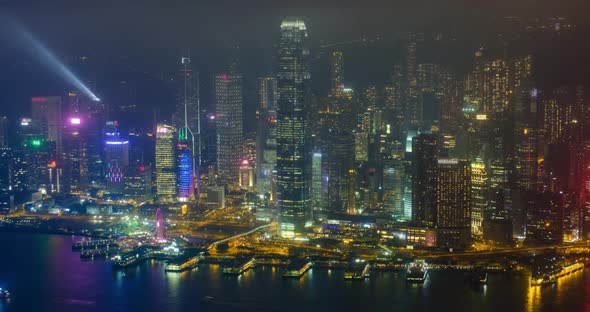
357, 271
553, 275
239, 266
207, 299
417, 272
477, 276
121, 261
4, 294
296, 268
182, 263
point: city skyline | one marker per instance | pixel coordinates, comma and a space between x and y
447, 150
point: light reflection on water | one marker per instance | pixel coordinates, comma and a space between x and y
43, 267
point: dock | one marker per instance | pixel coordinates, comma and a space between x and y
357, 271
182, 263
94, 244
239, 266
297, 268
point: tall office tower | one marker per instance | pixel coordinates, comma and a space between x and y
338, 158
6, 166
424, 162
267, 87
453, 203
188, 117
496, 86
266, 142
545, 222
31, 156
336, 72
185, 161
95, 115
74, 157
165, 163
55, 177
394, 175
316, 184
116, 152
409, 88
479, 196
361, 146
3, 131
526, 154
474, 83
228, 122
46, 113
293, 135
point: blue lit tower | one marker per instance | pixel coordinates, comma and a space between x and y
293, 133
188, 122
116, 158
185, 183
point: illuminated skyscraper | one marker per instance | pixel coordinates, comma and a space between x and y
479, 196
116, 158
424, 162
229, 126
165, 163
453, 203
189, 125
75, 155
46, 113
293, 135
394, 174
496, 86
186, 186
266, 142
336, 71
3, 131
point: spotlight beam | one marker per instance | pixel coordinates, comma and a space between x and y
47, 58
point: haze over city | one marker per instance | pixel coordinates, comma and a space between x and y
273, 156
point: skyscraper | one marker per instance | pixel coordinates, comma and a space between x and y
479, 196
165, 163
424, 162
453, 202
116, 158
293, 135
3, 131
185, 183
188, 121
229, 126
266, 142
46, 113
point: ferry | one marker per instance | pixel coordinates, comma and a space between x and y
357, 271
207, 299
552, 276
477, 276
417, 272
4, 294
239, 266
296, 268
125, 260
182, 264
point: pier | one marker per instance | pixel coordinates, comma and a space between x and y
297, 268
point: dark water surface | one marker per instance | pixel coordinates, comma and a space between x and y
45, 275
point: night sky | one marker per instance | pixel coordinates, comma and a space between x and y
140, 42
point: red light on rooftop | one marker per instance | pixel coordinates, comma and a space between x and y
142, 168
224, 77
38, 99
